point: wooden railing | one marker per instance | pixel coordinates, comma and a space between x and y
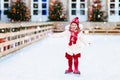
101, 28
14, 36
92, 27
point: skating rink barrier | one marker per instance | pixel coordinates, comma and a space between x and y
101, 27
92, 27
14, 36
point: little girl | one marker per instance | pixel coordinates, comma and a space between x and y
74, 45
75, 37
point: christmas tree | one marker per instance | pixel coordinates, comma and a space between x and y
56, 11
95, 13
18, 12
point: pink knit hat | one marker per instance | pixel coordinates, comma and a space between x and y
75, 20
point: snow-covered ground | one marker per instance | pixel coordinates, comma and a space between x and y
44, 60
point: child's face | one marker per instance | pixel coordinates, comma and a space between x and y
73, 26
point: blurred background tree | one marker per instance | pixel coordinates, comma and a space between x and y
18, 12
95, 12
56, 11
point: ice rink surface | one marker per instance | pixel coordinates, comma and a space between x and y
44, 60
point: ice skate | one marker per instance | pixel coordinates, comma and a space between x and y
68, 71
76, 72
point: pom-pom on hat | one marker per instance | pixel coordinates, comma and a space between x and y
75, 20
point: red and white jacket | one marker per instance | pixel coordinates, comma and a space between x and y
73, 48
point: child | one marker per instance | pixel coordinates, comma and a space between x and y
74, 46
75, 37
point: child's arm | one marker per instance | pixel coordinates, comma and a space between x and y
62, 34
84, 40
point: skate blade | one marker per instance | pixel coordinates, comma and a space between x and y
68, 72
77, 73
